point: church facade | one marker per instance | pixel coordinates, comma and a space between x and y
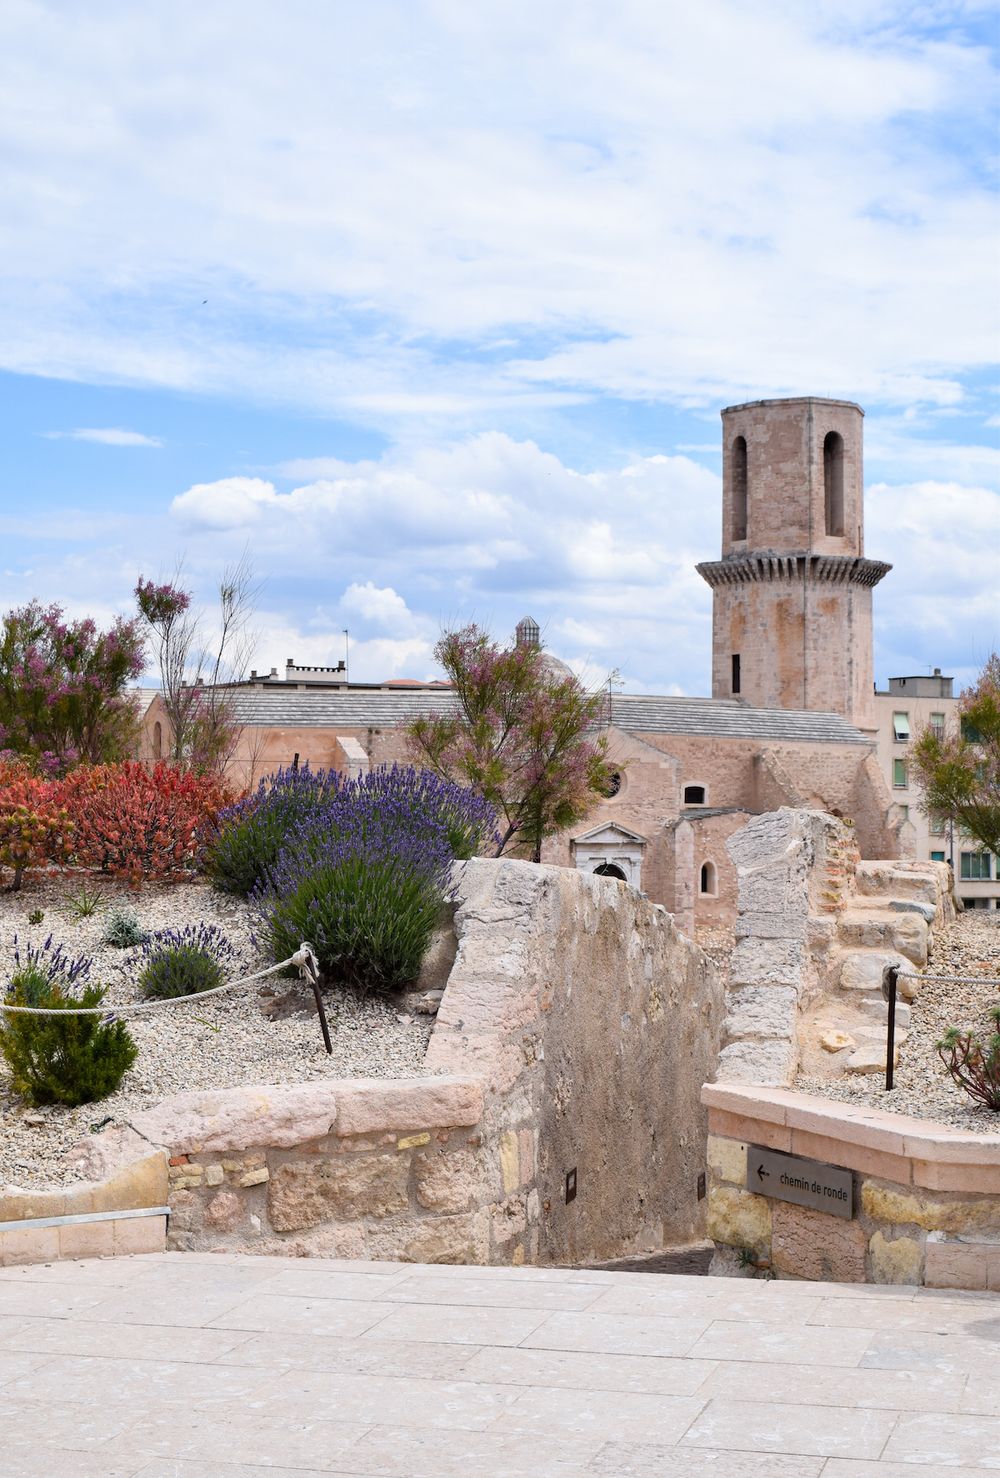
791, 717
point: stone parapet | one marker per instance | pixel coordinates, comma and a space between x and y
926, 1197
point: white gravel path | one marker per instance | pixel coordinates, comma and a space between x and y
223, 1042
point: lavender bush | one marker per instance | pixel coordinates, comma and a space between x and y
252, 833
51, 964
184, 962
364, 877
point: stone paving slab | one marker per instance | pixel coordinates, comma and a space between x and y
203, 1366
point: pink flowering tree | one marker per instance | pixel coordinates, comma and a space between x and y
528, 739
195, 672
64, 688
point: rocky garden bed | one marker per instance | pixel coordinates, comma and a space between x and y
923, 1088
258, 1034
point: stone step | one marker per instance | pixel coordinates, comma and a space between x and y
869, 1057
879, 879
878, 1007
883, 928
861, 970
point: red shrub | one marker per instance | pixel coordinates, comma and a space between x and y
35, 826
139, 824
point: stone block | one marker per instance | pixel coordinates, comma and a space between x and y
279, 1116
771, 1062
305, 1193
225, 1211
214, 1175
739, 1219
896, 1259
140, 1234
809, 1244
727, 1159
29, 1245
899, 1207
449, 1239
760, 1011
862, 970
255, 1177
86, 1239
450, 1182
509, 1161
870, 1057
407, 1104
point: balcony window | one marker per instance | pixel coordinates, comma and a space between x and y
901, 727
899, 780
975, 867
936, 725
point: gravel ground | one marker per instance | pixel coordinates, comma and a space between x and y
218, 1043
923, 1087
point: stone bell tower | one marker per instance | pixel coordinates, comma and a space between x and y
792, 593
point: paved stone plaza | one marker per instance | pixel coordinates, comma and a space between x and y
201, 1366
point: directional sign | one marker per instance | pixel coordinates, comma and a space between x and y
811, 1183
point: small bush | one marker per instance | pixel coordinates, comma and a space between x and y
185, 962
57, 967
35, 828
363, 878
36, 916
85, 902
252, 833
70, 1060
139, 824
123, 929
974, 1065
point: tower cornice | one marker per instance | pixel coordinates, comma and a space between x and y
765, 566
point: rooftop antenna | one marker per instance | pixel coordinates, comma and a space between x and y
347, 655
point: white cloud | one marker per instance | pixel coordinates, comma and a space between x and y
436, 210
105, 436
230, 503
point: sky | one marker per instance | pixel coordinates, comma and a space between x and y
432, 308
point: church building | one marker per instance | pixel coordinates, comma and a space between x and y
791, 720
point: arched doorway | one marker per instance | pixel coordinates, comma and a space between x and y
609, 870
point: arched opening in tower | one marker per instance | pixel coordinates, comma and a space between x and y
740, 488
833, 482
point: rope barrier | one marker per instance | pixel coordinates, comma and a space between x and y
949, 979
304, 959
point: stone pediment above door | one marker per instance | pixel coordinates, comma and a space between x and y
610, 835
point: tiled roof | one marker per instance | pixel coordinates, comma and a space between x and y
723, 718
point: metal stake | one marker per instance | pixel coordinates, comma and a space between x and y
309, 971
890, 978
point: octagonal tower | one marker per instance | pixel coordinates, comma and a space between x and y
792, 593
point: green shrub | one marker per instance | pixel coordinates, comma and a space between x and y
70, 1060
369, 921
974, 1065
123, 930
185, 962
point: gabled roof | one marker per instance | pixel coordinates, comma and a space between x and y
611, 831
372, 708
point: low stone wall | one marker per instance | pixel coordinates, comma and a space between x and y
926, 1197
561, 1120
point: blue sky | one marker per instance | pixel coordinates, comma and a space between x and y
433, 307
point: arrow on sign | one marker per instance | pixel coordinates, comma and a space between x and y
763, 1174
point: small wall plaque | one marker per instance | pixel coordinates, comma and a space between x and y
821, 1187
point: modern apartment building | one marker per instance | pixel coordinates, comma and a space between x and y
909, 705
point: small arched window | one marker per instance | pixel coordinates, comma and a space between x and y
694, 795
610, 870
157, 741
707, 884
833, 482
739, 476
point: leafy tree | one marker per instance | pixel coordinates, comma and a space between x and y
64, 688
960, 773
194, 672
523, 736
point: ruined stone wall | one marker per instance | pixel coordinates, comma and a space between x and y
594, 1023
575, 1032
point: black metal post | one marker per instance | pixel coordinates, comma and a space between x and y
890, 978
307, 969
